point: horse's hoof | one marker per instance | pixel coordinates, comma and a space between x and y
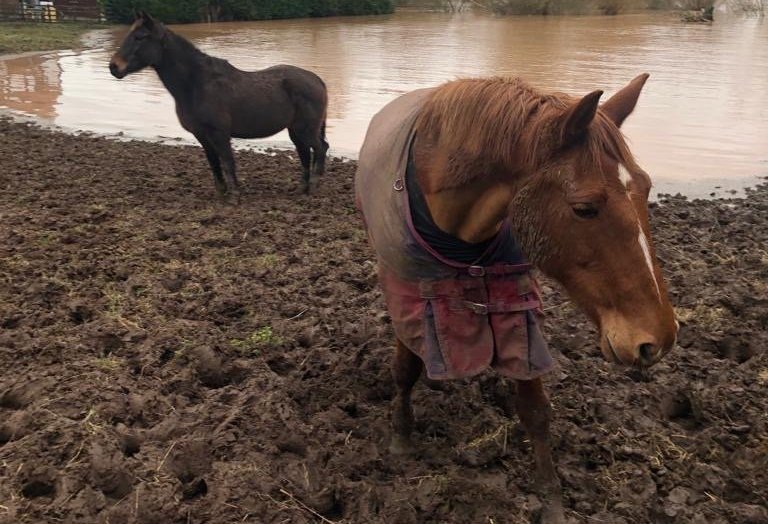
232, 198
553, 517
309, 186
401, 446
552, 512
434, 385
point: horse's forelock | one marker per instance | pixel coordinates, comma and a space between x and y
606, 138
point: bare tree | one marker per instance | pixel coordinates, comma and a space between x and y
750, 7
456, 6
695, 5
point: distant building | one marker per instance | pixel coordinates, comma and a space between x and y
78, 9
10, 8
50, 10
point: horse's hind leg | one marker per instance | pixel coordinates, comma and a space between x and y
319, 151
406, 368
534, 410
305, 156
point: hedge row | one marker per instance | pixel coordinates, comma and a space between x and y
185, 11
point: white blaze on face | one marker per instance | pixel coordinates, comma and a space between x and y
624, 175
643, 241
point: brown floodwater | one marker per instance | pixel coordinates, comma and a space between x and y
701, 124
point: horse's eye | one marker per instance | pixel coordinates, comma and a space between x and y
585, 210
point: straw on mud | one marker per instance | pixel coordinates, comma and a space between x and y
294, 317
160, 466
82, 442
713, 497
556, 306
279, 503
238, 508
304, 506
233, 414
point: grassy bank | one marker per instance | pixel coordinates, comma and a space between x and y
21, 37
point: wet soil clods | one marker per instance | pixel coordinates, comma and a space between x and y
167, 358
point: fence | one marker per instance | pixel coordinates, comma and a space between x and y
50, 11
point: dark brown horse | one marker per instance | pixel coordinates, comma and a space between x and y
216, 101
495, 159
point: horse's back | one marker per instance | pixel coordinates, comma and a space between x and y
264, 102
295, 80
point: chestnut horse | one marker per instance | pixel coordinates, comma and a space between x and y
495, 155
216, 101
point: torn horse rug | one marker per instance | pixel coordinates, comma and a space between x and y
460, 307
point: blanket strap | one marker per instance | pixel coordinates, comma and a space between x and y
499, 307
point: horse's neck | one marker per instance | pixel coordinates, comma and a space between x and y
472, 212
178, 69
471, 216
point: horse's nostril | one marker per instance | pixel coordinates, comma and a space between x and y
647, 352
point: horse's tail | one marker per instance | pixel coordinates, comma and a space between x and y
323, 141
325, 110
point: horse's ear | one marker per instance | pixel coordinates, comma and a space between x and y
620, 105
578, 118
149, 22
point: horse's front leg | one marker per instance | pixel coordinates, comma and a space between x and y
220, 142
406, 368
215, 163
534, 411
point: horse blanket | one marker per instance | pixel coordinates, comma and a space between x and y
458, 318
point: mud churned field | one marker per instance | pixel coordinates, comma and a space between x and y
165, 358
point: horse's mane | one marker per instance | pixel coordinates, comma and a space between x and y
192, 51
505, 121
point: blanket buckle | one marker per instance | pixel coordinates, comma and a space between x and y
476, 271
477, 308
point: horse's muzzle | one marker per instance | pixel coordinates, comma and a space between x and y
643, 355
116, 70
118, 66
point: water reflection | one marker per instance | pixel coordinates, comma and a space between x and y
31, 84
702, 118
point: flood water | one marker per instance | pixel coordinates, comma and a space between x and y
701, 122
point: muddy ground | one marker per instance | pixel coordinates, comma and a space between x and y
165, 358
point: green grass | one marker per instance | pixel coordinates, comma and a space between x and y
21, 37
262, 337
